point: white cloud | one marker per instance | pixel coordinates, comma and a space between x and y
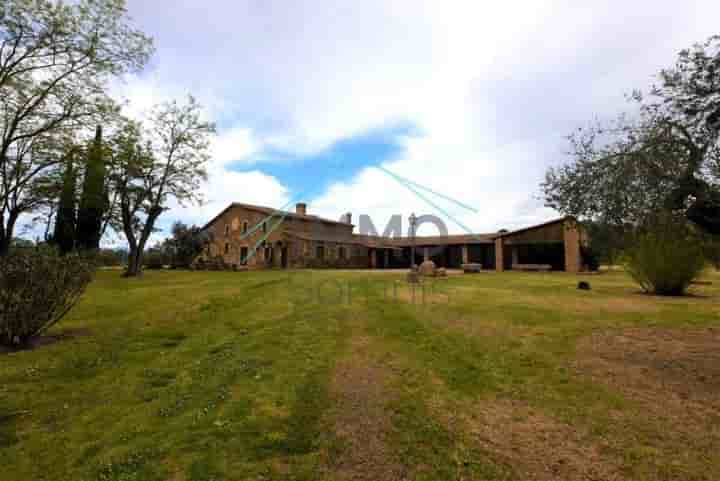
494, 118
233, 145
253, 187
492, 88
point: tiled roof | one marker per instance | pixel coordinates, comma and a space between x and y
533, 227
270, 211
378, 241
445, 240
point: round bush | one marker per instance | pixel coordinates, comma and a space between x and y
666, 257
37, 288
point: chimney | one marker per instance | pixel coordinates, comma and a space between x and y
301, 208
348, 218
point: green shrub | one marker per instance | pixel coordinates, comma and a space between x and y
590, 258
666, 257
111, 257
154, 259
712, 251
37, 288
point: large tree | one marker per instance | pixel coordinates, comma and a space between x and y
55, 61
664, 157
169, 167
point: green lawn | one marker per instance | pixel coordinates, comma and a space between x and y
340, 375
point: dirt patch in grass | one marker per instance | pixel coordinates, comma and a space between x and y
673, 377
534, 445
359, 389
48, 339
176, 473
673, 372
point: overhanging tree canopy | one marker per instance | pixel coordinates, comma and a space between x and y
55, 60
667, 157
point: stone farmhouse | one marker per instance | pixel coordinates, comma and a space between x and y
256, 237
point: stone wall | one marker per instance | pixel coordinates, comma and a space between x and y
572, 239
233, 242
339, 255
229, 239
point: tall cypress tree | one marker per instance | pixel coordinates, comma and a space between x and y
64, 235
93, 202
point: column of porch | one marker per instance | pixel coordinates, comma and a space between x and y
499, 255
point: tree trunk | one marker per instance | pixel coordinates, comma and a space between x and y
136, 254
137, 251
4, 245
4, 240
134, 268
6, 232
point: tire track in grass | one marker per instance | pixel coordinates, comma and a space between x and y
361, 422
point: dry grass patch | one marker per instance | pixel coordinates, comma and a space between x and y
674, 377
359, 390
632, 304
534, 445
572, 301
675, 372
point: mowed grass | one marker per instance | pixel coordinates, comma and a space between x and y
350, 375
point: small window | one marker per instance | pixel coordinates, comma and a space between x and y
342, 254
264, 227
243, 255
227, 229
244, 227
320, 252
227, 247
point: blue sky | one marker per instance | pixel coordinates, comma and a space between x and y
308, 176
471, 99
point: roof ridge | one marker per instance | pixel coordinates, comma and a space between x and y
265, 209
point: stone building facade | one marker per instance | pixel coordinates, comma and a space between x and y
257, 237
261, 237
